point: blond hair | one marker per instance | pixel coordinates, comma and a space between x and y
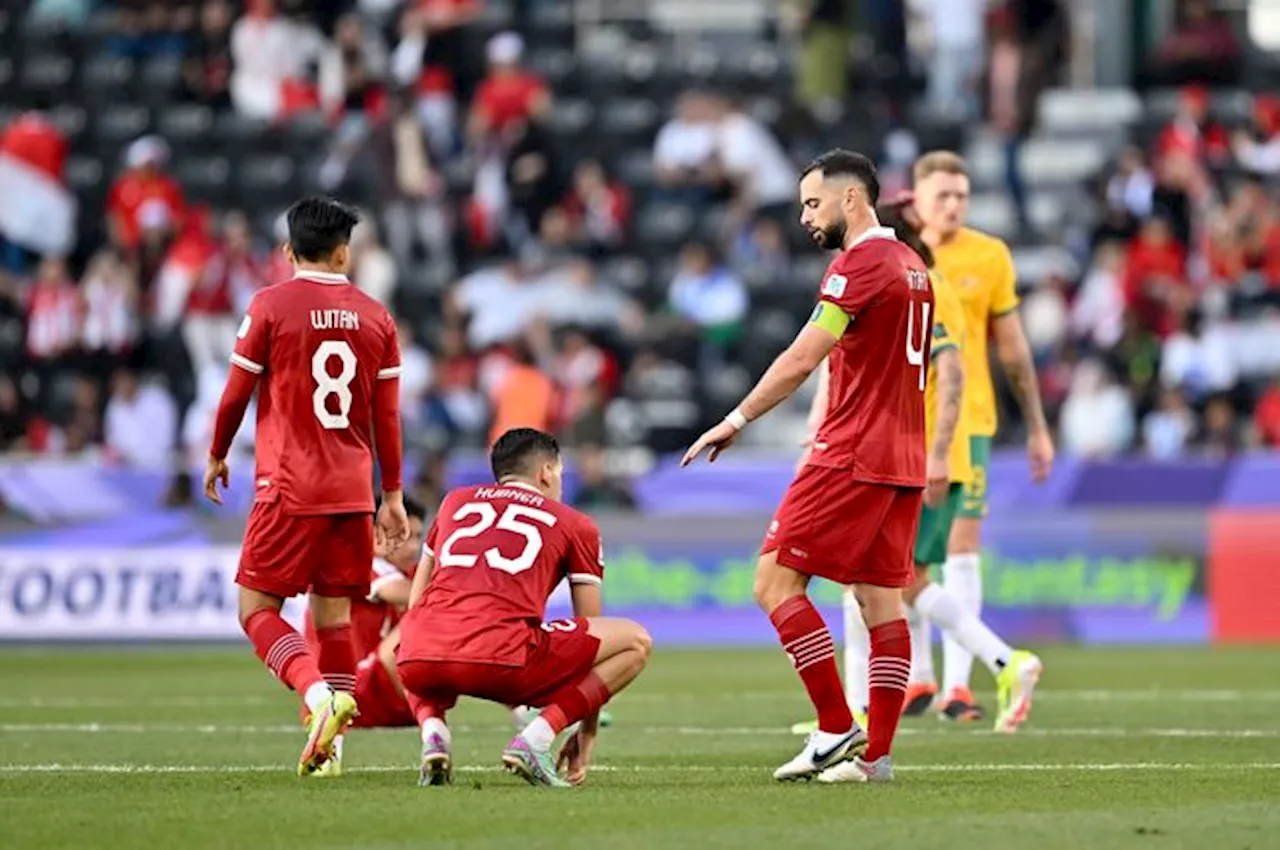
934, 162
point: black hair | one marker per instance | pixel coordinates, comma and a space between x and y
519, 449
413, 508
318, 226
890, 215
840, 161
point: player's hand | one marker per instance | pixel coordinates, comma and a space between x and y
937, 480
717, 439
1040, 456
392, 526
575, 757
214, 471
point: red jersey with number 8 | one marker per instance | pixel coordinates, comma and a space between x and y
500, 550
319, 344
875, 420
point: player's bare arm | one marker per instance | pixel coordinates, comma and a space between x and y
947, 419
394, 591
241, 382
421, 578
1015, 358
791, 369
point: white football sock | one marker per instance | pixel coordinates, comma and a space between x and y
940, 605
539, 734
962, 575
857, 655
337, 747
436, 726
317, 695
921, 647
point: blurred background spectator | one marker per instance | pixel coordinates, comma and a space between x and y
588, 223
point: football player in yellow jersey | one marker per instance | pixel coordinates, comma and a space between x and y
980, 268
948, 471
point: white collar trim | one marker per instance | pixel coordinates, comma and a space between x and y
520, 485
331, 278
874, 233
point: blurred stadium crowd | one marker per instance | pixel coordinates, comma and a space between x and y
587, 223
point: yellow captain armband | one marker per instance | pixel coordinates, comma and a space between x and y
830, 318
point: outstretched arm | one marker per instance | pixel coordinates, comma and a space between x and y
791, 368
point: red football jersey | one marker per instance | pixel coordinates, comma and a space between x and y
500, 550
875, 422
319, 343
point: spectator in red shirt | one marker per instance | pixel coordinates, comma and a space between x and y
1155, 276
53, 312
598, 209
225, 273
1193, 131
245, 270
144, 191
509, 95
112, 323
1266, 418
54, 318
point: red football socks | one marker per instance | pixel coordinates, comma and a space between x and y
337, 659
889, 671
282, 649
808, 644
574, 702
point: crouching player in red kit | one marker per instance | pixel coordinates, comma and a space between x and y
325, 362
475, 622
851, 514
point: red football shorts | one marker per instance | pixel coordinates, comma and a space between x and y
381, 705
848, 531
286, 555
560, 653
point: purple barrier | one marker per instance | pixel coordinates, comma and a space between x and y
54, 492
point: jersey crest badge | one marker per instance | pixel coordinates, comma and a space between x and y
835, 285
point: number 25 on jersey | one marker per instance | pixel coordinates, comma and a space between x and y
514, 519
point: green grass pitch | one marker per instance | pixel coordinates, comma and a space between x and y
194, 748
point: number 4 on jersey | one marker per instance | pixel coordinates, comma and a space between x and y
915, 351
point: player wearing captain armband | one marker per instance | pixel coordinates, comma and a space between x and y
851, 513
980, 269
949, 468
324, 360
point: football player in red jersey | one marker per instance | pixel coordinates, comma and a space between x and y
475, 623
851, 513
324, 359
374, 633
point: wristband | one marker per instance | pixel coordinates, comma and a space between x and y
736, 418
